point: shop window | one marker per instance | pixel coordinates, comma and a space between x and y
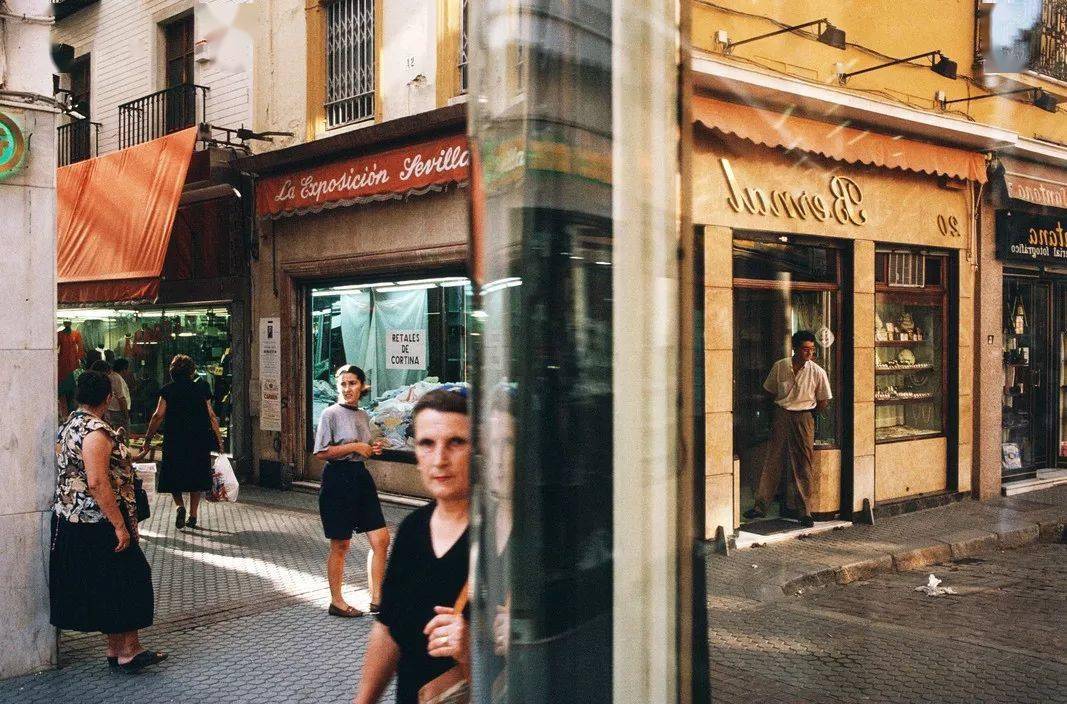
408, 336
910, 353
148, 338
780, 288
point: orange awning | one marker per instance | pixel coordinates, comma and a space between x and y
113, 218
839, 142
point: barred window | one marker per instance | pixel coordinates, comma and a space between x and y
464, 42
349, 61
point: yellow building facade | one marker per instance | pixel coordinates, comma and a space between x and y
864, 208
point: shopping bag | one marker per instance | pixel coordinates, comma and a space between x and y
224, 486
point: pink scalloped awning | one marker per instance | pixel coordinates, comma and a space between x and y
838, 142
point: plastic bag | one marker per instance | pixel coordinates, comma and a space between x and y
224, 486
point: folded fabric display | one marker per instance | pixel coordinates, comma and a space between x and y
390, 415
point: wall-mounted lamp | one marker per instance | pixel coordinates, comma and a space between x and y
1038, 98
828, 35
940, 64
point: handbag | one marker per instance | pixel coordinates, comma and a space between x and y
452, 687
141, 497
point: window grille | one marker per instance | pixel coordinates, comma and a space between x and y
463, 44
349, 61
907, 269
1050, 40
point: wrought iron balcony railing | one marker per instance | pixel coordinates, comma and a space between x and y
1049, 40
77, 140
161, 113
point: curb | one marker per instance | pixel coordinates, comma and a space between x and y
968, 543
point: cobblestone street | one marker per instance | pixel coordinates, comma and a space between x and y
1000, 639
241, 608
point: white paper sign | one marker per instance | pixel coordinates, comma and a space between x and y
270, 374
405, 349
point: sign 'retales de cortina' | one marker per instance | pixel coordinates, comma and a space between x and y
843, 204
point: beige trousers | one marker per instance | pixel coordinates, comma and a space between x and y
792, 441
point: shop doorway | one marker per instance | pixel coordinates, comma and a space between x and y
783, 285
1035, 350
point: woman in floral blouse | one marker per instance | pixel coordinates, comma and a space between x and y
98, 575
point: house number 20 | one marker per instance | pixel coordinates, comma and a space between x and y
949, 226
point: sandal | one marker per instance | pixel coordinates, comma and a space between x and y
350, 612
179, 518
142, 660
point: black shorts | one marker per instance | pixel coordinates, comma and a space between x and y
348, 501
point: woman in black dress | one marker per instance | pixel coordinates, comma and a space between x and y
191, 433
99, 579
419, 636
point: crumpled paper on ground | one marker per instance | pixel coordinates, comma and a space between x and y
933, 588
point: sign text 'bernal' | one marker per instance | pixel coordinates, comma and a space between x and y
843, 204
405, 349
1031, 238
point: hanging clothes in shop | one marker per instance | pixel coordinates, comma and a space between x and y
356, 327
400, 310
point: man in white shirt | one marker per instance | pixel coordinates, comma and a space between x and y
801, 389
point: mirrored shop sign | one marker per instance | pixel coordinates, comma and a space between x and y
1031, 238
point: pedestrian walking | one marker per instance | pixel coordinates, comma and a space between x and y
348, 497
118, 408
99, 579
801, 389
422, 633
190, 434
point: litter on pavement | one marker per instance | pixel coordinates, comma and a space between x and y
933, 588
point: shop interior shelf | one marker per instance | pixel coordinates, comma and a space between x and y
897, 401
900, 343
898, 368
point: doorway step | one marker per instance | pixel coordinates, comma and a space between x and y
780, 530
1045, 479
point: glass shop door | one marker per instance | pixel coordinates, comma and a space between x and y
1028, 421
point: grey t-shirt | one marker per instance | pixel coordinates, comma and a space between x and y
340, 424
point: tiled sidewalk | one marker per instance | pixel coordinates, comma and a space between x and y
899, 543
241, 608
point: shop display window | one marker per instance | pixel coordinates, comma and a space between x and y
780, 288
409, 336
148, 338
910, 355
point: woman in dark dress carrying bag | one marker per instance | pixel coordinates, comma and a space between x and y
191, 433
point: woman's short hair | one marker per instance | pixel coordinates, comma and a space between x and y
442, 401
182, 367
93, 388
100, 366
350, 369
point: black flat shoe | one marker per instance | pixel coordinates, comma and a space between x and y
142, 660
754, 513
179, 518
374, 609
191, 523
112, 662
807, 521
350, 612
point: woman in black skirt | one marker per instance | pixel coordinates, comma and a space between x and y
348, 498
98, 577
191, 433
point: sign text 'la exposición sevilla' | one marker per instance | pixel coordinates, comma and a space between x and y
396, 171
